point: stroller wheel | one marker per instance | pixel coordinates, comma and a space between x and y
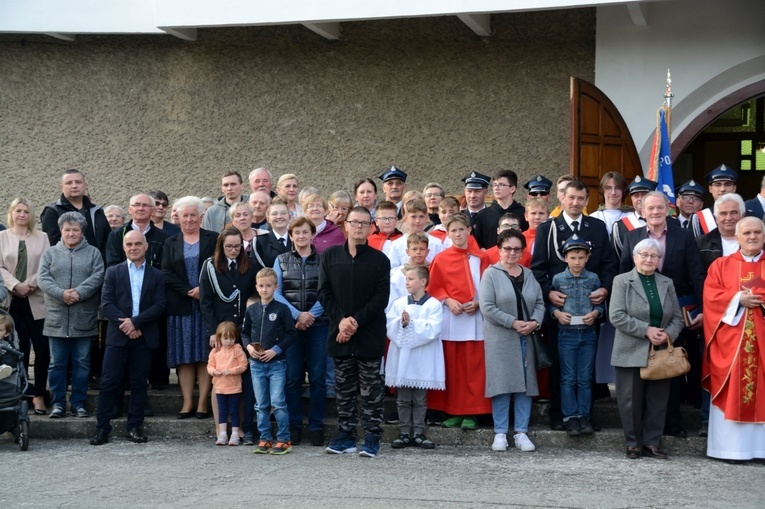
23, 437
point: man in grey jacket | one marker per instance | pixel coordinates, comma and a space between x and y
70, 276
216, 216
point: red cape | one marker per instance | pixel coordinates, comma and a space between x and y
450, 274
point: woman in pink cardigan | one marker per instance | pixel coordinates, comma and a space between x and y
21, 248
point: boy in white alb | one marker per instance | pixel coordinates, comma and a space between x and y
417, 250
415, 360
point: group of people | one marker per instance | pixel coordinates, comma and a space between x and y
245, 294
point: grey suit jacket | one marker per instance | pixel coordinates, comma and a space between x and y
629, 315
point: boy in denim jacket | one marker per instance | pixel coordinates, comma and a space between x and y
576, 336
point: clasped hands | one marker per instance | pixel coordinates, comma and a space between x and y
656, 335
348, 327
128, 329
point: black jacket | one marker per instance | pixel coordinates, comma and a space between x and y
214, 309
486, 221
272, 326
359, 287
269, 248
174, 268
547, 260
115, 253
98, 229
710, 248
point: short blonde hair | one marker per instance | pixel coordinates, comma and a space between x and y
32, 216
286, 177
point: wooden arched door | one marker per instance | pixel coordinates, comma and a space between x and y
600, 140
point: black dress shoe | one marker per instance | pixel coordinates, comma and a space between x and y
136, 435
653, 451
203, 415
147, 410
185, 415
101, 438
633, 453
296, 435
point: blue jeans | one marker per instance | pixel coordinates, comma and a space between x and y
309, 347
576, 349
63, 352
268, 380
500, 406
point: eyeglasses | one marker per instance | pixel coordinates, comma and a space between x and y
385, 219
358, 224
499, 185
161, 203
316, 206
508, 249
539, 193
691, 198
141, 205
432, 195
648, 256
509, 227
232, 247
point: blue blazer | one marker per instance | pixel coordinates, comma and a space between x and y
117, 302
754, 208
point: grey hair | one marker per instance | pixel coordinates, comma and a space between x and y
734, 198
72, 218
434, 184
110, 207
748, 219
190, 201
207, 199
153, 201
258, 170
646, 244
657, 194
238, 205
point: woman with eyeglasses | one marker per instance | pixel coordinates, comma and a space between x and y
161, 203
612, 187
327, 232
644, 311
226, 281
509, 364
188, 344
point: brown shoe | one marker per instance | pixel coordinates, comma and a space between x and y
633, 453
653, 451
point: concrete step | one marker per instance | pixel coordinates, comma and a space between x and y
168, 402
168, 427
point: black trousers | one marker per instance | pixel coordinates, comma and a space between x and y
159, 373
30, 332
137, 355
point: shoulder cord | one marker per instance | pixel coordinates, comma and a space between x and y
216, 287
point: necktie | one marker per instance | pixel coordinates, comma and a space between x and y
687, 223
232, 266
575, 226
283, 241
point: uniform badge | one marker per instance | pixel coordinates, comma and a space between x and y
272, 317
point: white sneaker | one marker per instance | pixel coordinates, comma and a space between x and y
222, 438
5, 371
500, 442
523, 443
234, 441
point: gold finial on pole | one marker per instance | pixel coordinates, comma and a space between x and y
668, 95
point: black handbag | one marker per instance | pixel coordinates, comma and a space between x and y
542, 358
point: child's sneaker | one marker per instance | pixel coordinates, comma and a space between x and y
57, 412
281, 448
263, 447
5, 371
341, 444
523, 443
234, 439
222, 437
420, 441
403, 440
371, 447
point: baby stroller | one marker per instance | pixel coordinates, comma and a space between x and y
14, 404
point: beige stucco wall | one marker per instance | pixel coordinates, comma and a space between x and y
140, 112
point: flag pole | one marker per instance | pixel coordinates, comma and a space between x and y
668, 95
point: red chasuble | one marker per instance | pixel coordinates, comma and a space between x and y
733, 369
377, 239
450, 274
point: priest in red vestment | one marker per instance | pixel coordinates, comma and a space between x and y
454, 277
733, 369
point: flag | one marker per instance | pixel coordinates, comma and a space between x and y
660, 169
